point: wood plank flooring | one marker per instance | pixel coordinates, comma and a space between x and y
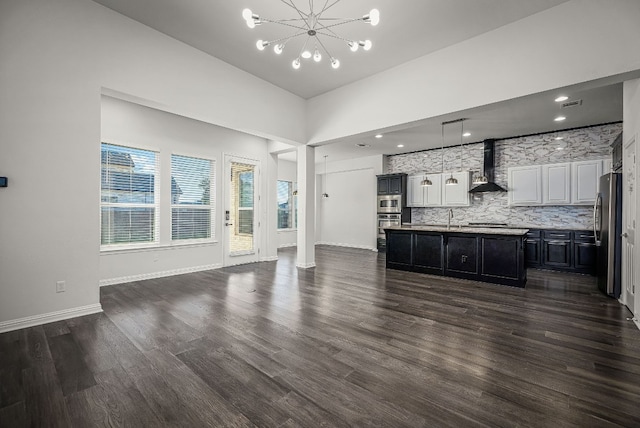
348, 343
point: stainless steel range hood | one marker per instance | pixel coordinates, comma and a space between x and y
489, 169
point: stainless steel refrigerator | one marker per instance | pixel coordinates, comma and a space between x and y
607, 227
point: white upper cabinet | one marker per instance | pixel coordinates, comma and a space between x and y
456, 195
433, 193
525, 185
586, 176
431, 196
570, 183
556, 184
415, 192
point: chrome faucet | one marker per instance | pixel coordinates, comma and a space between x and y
449, 217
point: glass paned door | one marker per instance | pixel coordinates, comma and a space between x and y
240, 216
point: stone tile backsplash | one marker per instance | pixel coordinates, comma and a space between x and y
580, 144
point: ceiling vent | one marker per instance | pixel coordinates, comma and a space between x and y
574, 103
362, 145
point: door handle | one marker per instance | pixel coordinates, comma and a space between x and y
625, 235
228, 224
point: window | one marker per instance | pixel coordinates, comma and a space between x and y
245, 202
192, 191
287, 209
129, 206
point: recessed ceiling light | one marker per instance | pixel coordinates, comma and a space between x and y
362, 145
400, 145
379, 136
559, 138
561, 98
559, 118
466, 134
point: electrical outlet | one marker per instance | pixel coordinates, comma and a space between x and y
61, 287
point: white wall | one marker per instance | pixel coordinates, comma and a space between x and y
631, 129
132, 124
348, 216
57, 58
575, 42
287, 171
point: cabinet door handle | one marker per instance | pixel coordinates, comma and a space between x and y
558, 242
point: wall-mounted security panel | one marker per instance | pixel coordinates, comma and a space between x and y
3, 181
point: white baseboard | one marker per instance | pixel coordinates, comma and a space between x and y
287, 245
339, 244
34, 320
161, 274
306, 265
269, 259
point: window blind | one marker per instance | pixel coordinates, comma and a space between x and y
192, 198
129, 206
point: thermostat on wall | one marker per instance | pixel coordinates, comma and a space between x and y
3, 181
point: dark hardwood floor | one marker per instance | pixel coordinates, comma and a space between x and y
345, 344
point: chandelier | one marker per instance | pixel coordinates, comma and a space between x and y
313, 24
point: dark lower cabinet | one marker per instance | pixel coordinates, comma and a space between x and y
563, 250
427, 253
501, 258
498, 259
462, 254
399, 249
533, 249
557, 253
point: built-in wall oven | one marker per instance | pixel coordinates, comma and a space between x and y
387, 220
391, 204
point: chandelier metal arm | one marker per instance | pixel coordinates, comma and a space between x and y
304, 46
284, 23
346, 21
330, 6
324, 47
287, 38
335, 36
323, 7
303, 15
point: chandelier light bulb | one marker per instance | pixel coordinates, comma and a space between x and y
306, 55
373, 17
247, 14
367, 45
317, 57
296, 63
251, 23
278, 48
260, 44
353, 46
335, 63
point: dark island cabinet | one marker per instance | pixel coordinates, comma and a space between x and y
462, 255
563, 250
427, 253
501, 258
493, 258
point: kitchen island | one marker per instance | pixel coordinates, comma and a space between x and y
494, 255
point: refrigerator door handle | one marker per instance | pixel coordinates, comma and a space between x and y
596, 229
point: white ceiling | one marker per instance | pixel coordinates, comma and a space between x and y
408, 29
